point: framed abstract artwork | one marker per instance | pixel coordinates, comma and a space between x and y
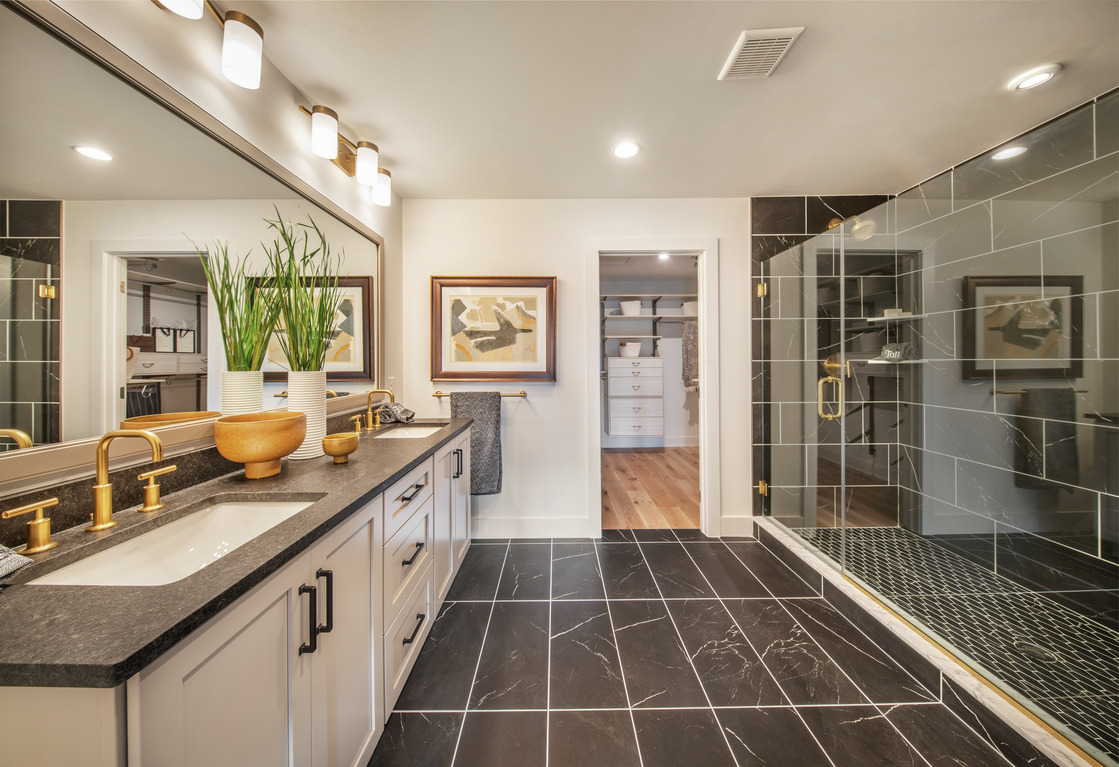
1023, 327
493, 328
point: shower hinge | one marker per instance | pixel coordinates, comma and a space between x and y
763, 488
763, 289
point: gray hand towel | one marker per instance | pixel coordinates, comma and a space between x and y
690, 344
1045, 439
11, 561
485, 437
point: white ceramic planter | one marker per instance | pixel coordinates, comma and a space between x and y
242, 391
307, 394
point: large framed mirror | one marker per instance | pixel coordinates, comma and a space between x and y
96, 256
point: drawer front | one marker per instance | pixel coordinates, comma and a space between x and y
636, 427
408, 494
404, 637
615, 365
625, 375
155, 364
192, 363
407, 555
636, 407
641, 387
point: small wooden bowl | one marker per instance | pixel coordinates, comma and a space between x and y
260, 440
340, 445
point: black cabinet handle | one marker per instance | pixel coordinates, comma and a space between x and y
312, 623
416, 490
419, 622
419, 548
459, 461
329, 575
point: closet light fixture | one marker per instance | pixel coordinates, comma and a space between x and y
1034, 77
1010, 151
324, 132
382, 192
93, 153
664, 256
242, 50
626, 149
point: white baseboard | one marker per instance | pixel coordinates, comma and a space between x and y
738, 527
533, 527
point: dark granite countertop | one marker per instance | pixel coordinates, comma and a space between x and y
99, 636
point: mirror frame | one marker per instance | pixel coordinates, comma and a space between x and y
43, 465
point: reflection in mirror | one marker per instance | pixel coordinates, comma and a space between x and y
81, 227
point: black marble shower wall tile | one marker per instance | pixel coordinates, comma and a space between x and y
1107, 124
821, 211
34, 218
777, 215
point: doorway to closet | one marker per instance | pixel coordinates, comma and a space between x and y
650, 459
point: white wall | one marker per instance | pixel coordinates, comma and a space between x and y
545, 437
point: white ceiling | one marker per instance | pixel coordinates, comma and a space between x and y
524, 99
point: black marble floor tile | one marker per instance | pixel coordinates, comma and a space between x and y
617, 536
445, 667
879, 678
477, 578
496, 738
685, 535
488, 541
675, 572
859, 735
778, 578
585, 671
592, 739
527, 572
681, 737
942, 738
802, 669
513, 670
729, 669
654, 536
625, 573
769, 737
657, 670
575, 572
1005, 738
728, 576
410, 739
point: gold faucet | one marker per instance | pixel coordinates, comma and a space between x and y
103, 490
22, 438
369, 423
38, 529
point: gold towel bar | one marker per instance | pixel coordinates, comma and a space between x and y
520, 394
1023, 391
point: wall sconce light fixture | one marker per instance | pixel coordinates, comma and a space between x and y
188, 9
382, 192
324, 132
358, 160
242, 50
368, 161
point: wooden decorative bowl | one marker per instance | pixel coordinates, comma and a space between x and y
260, 440
340, 445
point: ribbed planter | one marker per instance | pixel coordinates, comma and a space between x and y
242, 391
307, 394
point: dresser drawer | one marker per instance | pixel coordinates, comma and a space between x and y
407, 555
407, 494
155, 364
635, 407
192, 363
626, 375
635, 427
404, 637
640, 387
615, 365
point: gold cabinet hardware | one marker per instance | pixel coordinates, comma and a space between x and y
833, 367
763, 487
102, 517
151, 490
47, 291
763, 289
820, 397
21, 438
38, 529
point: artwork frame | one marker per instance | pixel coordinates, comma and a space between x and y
467, 346
356, 295
1041, 335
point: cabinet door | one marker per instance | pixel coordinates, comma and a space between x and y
444, 564
345, 683
460, 502
237, 691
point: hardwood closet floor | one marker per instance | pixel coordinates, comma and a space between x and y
651, 488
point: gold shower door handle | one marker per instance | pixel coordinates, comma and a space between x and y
820, 397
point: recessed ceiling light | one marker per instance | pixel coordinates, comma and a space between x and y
1034, 77
1010, 151
93, 153
664, 256
626, 149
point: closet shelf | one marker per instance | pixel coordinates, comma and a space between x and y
631, 338
667, 317
646, 296
902, 318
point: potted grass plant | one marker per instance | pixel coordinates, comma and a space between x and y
246, 322
304, 277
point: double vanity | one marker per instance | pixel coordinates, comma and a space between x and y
290, 647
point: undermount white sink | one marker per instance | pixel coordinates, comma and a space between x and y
410, 432
177, 549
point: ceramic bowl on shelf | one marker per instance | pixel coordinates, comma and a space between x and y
689, 308
260, 440
629, 348
630, 308
340, 445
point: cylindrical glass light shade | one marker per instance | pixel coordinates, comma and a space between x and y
367, 159
324, 132
382, 192
190, 9
242, 50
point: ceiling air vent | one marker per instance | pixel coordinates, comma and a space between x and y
758, 52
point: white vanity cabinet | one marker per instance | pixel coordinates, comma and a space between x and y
289, 674
452, 511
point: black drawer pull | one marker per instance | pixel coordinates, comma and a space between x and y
419, 622
419, 548
312, 623
329, 575
458, 469
416, 490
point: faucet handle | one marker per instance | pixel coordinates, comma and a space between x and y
151, 491
38, 529
356, 421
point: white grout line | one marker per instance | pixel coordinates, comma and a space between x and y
584, 709
548, 679
481, 649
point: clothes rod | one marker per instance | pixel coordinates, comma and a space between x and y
520, 394
1023, 391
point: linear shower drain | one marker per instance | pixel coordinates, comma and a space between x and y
1036, 652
